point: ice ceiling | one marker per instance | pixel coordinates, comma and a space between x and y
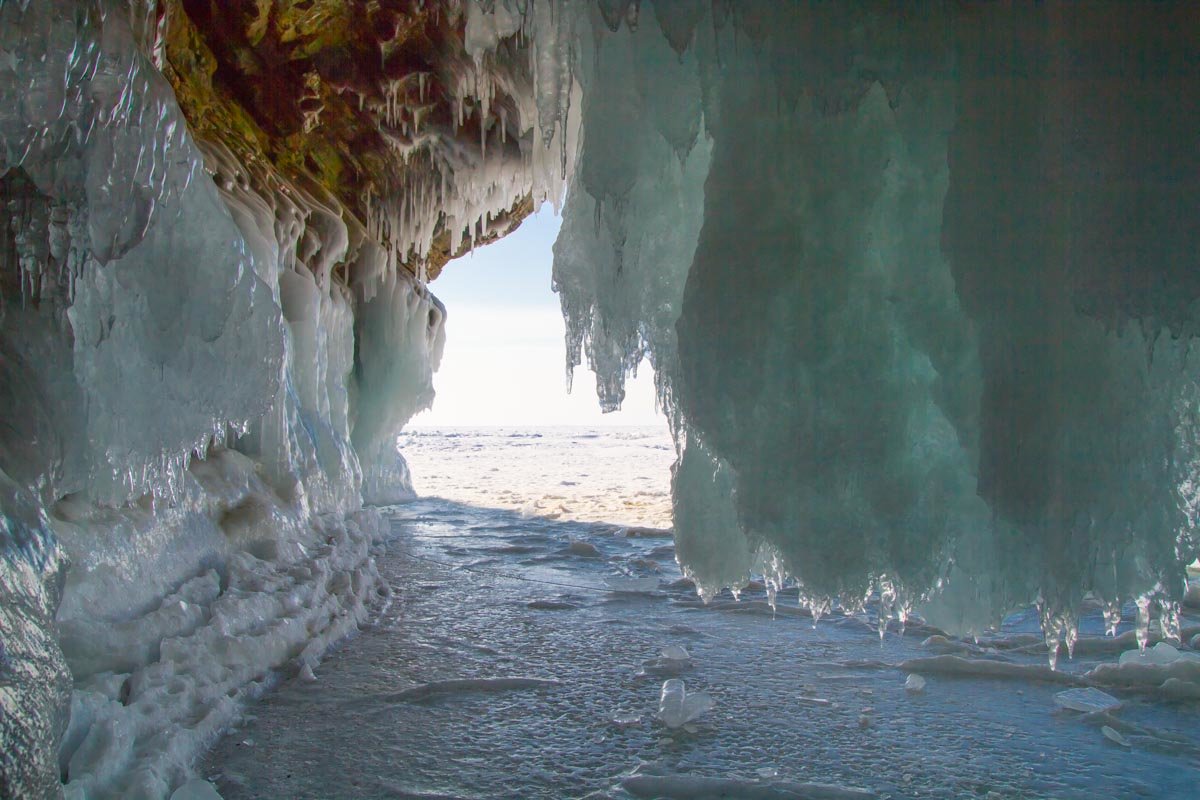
919, 283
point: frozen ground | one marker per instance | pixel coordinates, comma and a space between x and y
617, 474
477, 595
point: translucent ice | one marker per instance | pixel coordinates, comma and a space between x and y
1114, 736
1086, 700
676, 707
1160, 654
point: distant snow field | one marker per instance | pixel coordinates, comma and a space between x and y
603, 474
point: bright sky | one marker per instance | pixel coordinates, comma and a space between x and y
505, 358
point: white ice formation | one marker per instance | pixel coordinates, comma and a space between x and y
677, 706
921, 302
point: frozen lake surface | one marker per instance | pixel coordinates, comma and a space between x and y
509, 573
475, 595
613, 474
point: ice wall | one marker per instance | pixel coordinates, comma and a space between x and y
129, 313
919, 286
194, 353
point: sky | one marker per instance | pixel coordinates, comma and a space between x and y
505, 360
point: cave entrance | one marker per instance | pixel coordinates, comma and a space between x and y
504, 431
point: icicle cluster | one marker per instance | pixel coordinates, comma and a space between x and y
911, 340
513, 127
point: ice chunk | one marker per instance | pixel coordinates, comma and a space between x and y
671, 661
1086, 700
1179, 679
956, 665
1114, 736
578, 547
1160, 654
197, 789
675, 652
1192, 598
632, 585
914, 684
676, 707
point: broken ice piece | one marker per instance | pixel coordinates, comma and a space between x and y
197, 789
1162, 654
676, 707
675, 653
766, 772
1114, 736
915, 684
1086, 700
672, 660
626, 719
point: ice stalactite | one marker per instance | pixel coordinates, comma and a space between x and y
822, 351
923, 316
634, 212
511, 90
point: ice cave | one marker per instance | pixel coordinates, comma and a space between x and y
919, 284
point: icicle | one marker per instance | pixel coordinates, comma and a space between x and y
1168, 620
818, 608
1112, 617
1142, 628
483, 130
887, 599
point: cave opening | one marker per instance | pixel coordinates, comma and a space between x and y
506, 430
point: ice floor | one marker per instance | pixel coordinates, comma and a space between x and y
794, 702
